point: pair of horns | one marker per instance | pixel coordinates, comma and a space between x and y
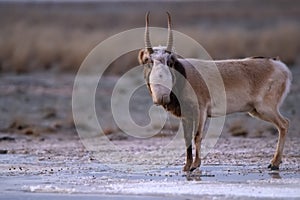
148, 45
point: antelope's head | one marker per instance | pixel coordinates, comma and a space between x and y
159, 65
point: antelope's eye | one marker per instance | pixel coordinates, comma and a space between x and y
147, 60
170, 63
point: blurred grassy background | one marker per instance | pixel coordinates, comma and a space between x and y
38, 36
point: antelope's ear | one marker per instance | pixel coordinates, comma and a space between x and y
141, 56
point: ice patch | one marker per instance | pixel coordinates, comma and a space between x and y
199, 188
47, 189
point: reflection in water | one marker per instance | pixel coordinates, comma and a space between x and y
196, 175
233, 174
275, 174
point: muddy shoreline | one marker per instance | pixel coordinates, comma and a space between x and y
43, 157
57, 167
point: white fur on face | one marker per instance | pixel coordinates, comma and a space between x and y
160, 78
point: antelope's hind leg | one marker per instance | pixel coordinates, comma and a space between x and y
282, 124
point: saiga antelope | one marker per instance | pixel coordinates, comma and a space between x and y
256, 85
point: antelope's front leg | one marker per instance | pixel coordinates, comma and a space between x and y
188, 133
197, 141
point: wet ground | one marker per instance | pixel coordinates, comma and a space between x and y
42, 157
60, 167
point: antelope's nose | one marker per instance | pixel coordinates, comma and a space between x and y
162, 100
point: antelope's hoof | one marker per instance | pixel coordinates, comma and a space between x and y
273, 167
186, 168
194, 166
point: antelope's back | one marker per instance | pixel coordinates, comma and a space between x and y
245, 81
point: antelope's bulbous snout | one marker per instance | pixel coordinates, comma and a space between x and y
160, 83
160, 95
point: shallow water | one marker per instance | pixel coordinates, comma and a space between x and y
30, 177
55, 167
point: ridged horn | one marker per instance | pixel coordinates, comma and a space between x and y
170, 34
148, 45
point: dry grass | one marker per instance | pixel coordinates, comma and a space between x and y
44, 47
58, 37
282, 41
